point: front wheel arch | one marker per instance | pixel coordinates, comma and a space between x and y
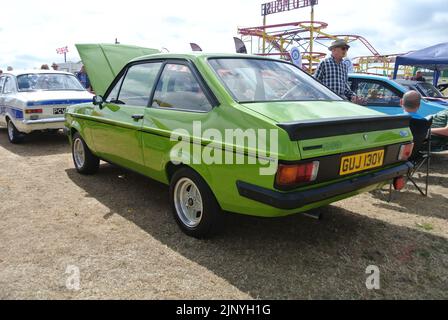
73, 131
80, 150
74, 127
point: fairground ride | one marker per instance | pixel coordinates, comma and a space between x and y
310, 37
381, 65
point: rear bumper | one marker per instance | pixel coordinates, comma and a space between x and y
44, 121
298, 199
27, 126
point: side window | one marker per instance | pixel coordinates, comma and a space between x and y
377, 94
179, 89
9, 86
113, 95
2, 82
137, 84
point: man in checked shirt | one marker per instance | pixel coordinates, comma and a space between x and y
333, 72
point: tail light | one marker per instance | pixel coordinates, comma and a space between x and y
399, 183
406, 151
288, 175
33, 111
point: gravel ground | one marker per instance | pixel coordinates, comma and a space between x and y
116, 227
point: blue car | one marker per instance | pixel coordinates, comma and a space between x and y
383, 94
427, 90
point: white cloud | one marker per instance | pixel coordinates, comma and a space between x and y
32, 30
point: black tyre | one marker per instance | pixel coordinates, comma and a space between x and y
194, 205
85, 161
14, 136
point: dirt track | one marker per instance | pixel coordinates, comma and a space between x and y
116, 227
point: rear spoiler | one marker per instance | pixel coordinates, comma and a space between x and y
314, 129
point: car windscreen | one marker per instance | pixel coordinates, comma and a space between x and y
259, 80
48, 82
428, 90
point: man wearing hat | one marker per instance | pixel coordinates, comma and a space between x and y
419, 77
333, 72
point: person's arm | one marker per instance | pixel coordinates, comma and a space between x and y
440, 131
351, 96
349, 93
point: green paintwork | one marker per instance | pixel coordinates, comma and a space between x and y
300, 111
103, 62
144, 146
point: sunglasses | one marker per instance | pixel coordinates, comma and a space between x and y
344, 48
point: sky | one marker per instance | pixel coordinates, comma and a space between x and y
30, 31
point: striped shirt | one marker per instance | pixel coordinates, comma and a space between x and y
334, 75
440, 120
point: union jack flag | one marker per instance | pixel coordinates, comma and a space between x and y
62, 50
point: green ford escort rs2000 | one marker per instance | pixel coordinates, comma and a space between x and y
234, 133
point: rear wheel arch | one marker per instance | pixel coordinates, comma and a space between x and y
208, 221
9, 117
14, 135
171, 168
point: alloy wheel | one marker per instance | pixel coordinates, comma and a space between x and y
188, 202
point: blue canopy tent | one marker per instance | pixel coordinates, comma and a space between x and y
432, 58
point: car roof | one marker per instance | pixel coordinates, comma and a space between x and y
406, 82
198, 55
367, 76
33, 71
391, 82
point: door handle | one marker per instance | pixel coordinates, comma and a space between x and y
138, 117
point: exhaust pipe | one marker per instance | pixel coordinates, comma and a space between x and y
316, 215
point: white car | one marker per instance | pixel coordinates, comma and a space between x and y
36, 100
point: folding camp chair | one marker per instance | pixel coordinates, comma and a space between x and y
421, 155
421, 130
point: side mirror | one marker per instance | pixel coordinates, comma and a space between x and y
98, 100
